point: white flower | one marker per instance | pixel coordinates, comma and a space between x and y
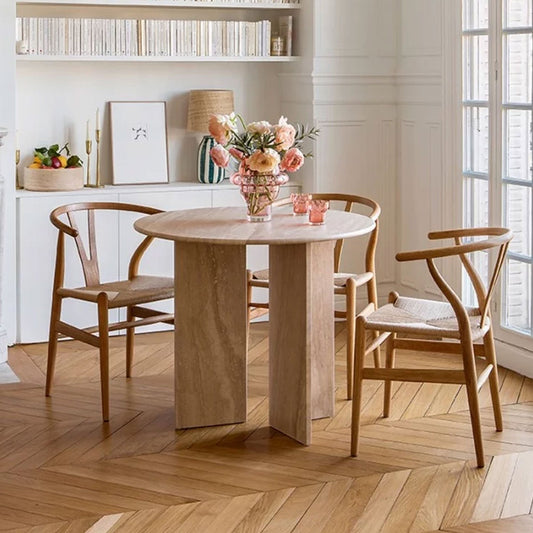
228, 121
260, 127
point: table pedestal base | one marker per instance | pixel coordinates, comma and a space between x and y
211, 338
302, 351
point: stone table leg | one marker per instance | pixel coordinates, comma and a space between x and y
210, 334
302, 351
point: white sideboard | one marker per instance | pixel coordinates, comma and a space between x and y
36, 245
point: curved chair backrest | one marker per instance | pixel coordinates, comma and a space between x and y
349, 201
89, 258
494, 238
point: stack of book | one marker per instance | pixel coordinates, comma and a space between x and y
128, 37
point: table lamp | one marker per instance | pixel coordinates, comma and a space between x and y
203, 104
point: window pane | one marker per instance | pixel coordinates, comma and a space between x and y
476, 202
516, 146
517, 13
480, 260
518, 68
475, 14
518, 218
476, 67
517, 288
476, 139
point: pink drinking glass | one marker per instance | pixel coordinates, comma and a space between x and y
300, 203
317, 211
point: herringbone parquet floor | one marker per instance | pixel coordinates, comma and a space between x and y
62, 470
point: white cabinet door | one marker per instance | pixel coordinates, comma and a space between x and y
36, 244
158, 260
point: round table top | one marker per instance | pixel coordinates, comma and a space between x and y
228, 225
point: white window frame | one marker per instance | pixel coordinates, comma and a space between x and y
515, 348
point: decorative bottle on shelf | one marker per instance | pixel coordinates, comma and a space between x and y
276, 48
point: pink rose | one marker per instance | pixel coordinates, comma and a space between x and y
264, 162
221, 127
219, 155
285, 134
236, 153
292, 160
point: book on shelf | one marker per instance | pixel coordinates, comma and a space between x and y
127, 37
285, 32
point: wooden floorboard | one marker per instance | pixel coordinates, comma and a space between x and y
62, 470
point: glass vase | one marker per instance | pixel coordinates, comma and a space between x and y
259, 191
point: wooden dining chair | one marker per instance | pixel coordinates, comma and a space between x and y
130, 293
440, 327
345, 284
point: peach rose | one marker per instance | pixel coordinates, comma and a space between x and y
264, 162
285, 134
219, 155
261, 127
221, 127
292, 160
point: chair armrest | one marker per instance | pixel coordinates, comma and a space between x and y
496, 237
466, 232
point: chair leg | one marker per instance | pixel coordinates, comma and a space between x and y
351, 298
360, 348
55, 315
103, 333
130, 342
389, 363
473, 400
490, 356
372, 292
249, 290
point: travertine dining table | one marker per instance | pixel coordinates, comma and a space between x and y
211, 319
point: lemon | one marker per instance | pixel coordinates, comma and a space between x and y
63, 160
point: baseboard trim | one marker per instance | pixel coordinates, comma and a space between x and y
515, 358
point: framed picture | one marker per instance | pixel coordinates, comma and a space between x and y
139, 142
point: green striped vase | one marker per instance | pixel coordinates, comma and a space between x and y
208, 172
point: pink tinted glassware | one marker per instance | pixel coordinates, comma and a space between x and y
317, 211
300, 203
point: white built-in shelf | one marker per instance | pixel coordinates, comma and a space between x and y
166, 3
161, 59
173, 186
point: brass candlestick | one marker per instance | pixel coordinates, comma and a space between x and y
88, 150
17, 161
98, 184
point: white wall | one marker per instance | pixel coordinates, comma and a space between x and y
74, 91
7, 166
420, 198
347, 81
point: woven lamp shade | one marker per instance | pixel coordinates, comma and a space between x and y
204, 103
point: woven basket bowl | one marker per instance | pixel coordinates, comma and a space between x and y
53, 179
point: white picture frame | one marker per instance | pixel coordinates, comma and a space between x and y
137, 128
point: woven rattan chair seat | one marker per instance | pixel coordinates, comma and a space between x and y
139, 290
340, 279
424, 317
